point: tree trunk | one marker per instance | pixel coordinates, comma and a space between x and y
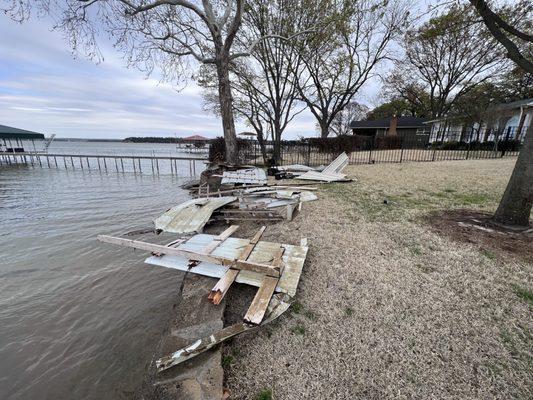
226, 110
277, 142
261, 140
515, 205
324, 129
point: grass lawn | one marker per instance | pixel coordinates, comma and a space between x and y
387, 307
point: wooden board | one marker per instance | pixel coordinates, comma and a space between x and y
259, 304
159, 249
221, 288
219, 239
277, 306
264, 252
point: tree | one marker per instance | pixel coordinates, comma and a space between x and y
352, 112
410, 101
517, 201
265, 91
516, 84
173, 35
340, 58
446, 57
473, 110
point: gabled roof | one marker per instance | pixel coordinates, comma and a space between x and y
403, 122
195, 137
8, 132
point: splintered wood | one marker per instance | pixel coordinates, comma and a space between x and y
219, 291
272, 267
257, 309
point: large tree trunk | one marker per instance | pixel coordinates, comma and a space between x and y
515, 205
226, 110
277, 142
324, 129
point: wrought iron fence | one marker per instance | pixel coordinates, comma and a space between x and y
386, 149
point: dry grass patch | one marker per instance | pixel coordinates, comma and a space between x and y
389, 308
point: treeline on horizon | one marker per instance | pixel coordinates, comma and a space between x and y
155, 139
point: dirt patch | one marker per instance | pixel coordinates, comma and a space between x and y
477, 228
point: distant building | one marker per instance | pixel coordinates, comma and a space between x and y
195, 138
507, 121
394, 126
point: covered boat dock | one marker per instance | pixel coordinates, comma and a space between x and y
12, 140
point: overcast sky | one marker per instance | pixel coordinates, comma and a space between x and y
44, 88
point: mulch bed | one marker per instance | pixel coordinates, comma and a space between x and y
477, 228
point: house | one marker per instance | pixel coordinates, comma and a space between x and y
394, 126
507, 121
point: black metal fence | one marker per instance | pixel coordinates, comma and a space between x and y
387, 149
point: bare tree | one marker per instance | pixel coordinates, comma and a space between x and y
264, 91
352, 112
444, 59
173, 35
263, 80
517, 201
339, 59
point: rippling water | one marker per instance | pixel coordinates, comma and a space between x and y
78, 318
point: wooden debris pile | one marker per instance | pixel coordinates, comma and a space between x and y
274, 268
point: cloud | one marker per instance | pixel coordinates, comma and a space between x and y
44, 88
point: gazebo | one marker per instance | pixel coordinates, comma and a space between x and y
10, 135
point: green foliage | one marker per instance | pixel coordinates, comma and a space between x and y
227, 360
296, 307
524, 294
265, 395
489, 254
298, 329
401, 108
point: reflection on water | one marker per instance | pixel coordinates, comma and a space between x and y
78, 318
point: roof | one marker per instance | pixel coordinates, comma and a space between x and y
514, 104
195, 137
403, 122
8, 132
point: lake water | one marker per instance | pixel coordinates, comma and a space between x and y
78, 318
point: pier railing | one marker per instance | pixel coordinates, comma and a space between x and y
179, 166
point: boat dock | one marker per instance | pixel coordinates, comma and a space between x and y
180, 166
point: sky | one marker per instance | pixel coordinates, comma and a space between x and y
47, 89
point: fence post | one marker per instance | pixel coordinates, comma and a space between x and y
308, 153
401, 151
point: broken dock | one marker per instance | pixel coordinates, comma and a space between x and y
183, 166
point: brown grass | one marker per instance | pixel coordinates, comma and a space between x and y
387, 308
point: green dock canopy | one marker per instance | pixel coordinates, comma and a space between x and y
8, 132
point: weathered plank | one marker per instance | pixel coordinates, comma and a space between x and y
159, 249
220, 289
259, 304
277, 306
219, 239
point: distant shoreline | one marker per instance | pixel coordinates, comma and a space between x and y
148, 139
